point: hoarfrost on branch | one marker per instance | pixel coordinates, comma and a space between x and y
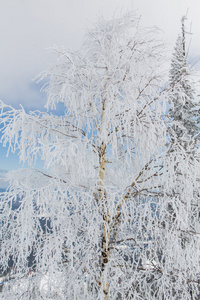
97, 217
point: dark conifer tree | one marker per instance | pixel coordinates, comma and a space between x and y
184, 110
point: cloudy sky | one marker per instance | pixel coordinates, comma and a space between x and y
28, 28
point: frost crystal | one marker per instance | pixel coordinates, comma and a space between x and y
95, 223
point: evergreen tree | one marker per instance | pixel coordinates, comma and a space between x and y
184, 111
184, 131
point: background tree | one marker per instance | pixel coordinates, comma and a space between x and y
184, 110
94, 222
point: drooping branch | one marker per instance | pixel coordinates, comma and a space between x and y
116, 218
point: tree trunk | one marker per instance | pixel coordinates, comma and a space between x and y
104, 206
104, 261
105, 224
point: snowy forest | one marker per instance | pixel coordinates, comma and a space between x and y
115, 212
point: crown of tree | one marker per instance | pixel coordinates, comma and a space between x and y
184, 110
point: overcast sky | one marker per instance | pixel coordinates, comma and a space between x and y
29, 27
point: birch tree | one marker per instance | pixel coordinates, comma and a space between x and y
94, 220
